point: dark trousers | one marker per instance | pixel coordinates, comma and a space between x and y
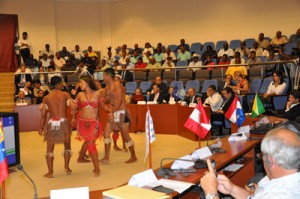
25, 53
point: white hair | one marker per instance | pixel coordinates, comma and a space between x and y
285, 153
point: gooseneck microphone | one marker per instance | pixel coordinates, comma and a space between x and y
20, 167
165, 172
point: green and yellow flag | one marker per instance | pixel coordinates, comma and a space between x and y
258, 107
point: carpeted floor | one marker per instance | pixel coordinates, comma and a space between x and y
112, 175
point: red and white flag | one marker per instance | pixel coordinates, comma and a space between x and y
198, 121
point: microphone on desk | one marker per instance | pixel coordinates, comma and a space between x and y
20, 167
165, 172
216, 149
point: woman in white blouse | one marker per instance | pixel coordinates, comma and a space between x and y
276, 87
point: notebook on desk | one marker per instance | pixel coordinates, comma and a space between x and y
131, 192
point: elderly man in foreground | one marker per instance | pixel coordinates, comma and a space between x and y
281, 159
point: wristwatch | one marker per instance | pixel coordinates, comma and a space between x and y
211, 195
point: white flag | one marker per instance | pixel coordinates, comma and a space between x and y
149, 132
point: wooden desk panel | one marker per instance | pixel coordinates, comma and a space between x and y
29, 117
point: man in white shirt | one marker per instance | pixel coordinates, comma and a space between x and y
195, 62
47, 51
77, 53
59, 62
259, 51
24, 45
281, 160
225, 50
214, 100
45, 61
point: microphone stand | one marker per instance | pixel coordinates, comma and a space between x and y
20, 167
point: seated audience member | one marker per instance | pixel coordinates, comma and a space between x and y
157, 95
140, 63
126, 76
137, 49
109, 58
182, 43
87, 60
128, 64
92, 54
276, 87
267, 51
146, 57
169, 53
281, 160
243, 50
253, 59
214, 100
292, 111
77, 52
74, 61
163, 86
225, 50
278, 40
295, 38
262, 42
47, 51
169, 64
123, 48
42, 77
170, 97
209, 52
195, 62
138, 96
208, 62
64, 53
191, 97
59, 62
183, 54
40, 96
237, 55
31, 61
231, 69
123, 57
28, 90
161, 47
103, 65
270, 68
258, 50
45, 61
224, 60
37, 87
22, 99
159, 55
134, 57
149, 48
153, 64
242, 84
228, 82
228, 95
21, 78
116, 65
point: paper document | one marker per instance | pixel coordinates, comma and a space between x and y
180, 164
178, 186
131, 192
202, 153
238, 137
142, 178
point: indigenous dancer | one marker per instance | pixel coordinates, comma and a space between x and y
88, 124
57, 129
119, 118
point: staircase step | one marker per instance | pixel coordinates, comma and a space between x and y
8, 105
7, 89
7, 94
7, 84
6, 110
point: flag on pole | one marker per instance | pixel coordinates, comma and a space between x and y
198, 121
258, 107
3, 159
235, 112
150, 132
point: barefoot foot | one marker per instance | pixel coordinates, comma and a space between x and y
104, 161
96, 172
116, 148
131, 160
125, 149
48, 175
68, 171
82, 160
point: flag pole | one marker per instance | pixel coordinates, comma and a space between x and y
149, 143
3, 190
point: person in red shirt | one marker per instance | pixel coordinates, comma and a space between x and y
140, 63
138, 96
